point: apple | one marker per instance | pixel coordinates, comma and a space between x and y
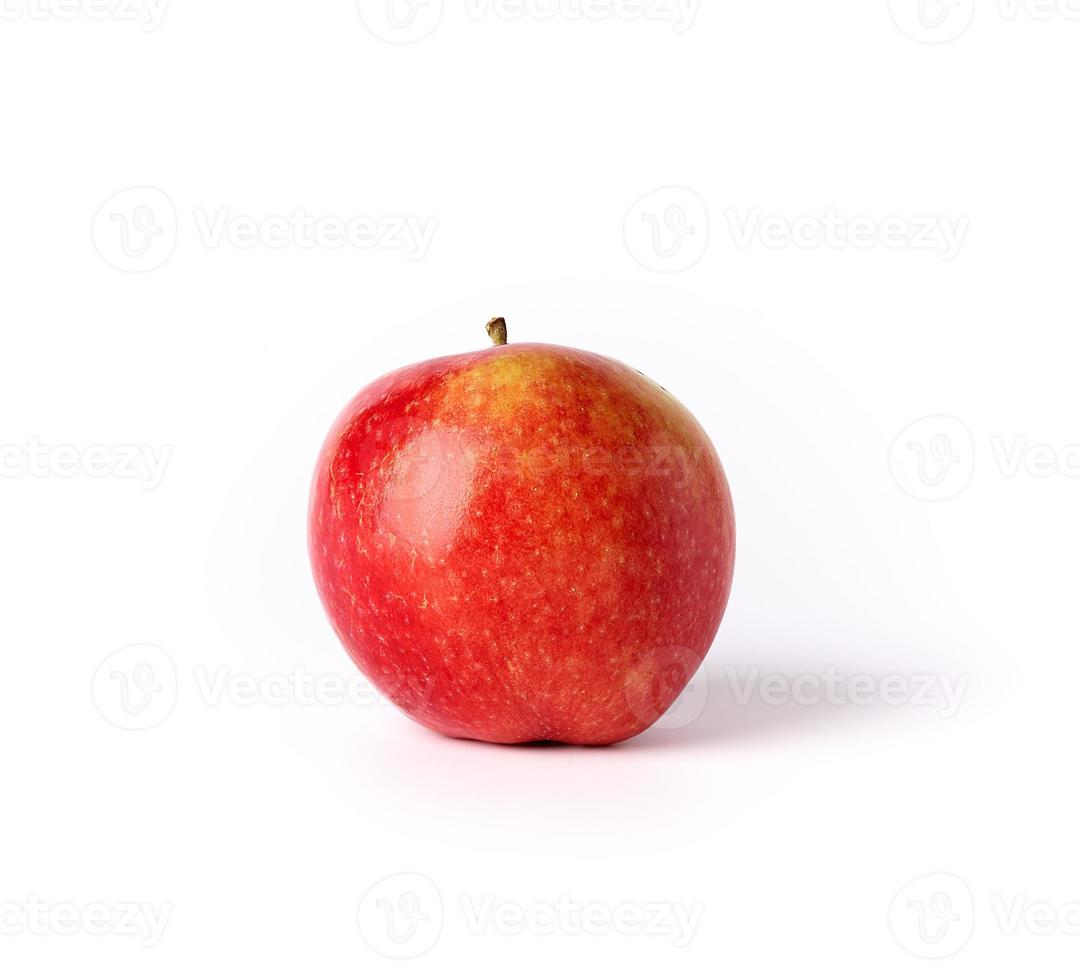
528, 543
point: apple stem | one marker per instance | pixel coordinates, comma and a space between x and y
497, 330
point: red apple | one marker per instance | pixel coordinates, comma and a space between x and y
527, 543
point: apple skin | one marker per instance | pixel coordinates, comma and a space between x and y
528, 543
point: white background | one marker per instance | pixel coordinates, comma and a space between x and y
545, 148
